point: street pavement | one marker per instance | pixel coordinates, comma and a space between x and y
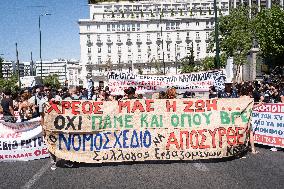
262, 170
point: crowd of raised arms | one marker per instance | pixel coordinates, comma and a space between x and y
29, 102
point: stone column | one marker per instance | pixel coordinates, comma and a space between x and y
268, 4
235, 4
258, 4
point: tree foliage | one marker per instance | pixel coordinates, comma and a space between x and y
187, 63
236, 35
10, 83
208, 62
52, 81
269, 32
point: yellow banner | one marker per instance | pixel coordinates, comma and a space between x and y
141, 130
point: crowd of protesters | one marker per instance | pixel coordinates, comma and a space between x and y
29, 103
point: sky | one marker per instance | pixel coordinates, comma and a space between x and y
60, 31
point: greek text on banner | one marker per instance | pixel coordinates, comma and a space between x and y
139, 130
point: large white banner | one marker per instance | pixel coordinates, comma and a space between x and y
196, 82
22, 141
268, 124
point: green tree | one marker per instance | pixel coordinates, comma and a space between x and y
236, 35
187, 63
52, 81
269, 33
11, 83
208, 62
157, 66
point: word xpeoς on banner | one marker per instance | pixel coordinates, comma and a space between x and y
22, 141
140, 130
196, 82
268, 124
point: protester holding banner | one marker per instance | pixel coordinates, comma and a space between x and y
7, 106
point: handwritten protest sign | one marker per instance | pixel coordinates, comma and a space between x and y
22, 141
268, 124
140, 130
197, 82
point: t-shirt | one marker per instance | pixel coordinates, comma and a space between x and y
41, 104
6, 103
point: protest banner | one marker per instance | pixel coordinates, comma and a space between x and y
268, 124
141, 130
196, 82
22, 141
17, 116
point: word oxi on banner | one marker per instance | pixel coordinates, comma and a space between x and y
268, 124
140, 130
22, 141
197, 82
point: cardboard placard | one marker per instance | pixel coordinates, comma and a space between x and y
140, 130
268, 124
22, 141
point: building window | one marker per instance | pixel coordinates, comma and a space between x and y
167, 26
98, 27
109, 49
172, 25
98, 37
177, 25
108, 37
99, 49
129, 49
89, 50
118, 27
207, 35
108, 27
88, 27
139, 48
133, 27
100, 69
187, 34
119, 49
99, 60
197, 23
88, 36
123, 27
198, 47
168, 46
89, 58
138, 27
128, 27
148, 37
118, 38
138, 38
113, 27
158, 35
197, 35
207, 24
207, 48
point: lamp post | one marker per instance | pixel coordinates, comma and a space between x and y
217, 56
47, 14
1, 65
18, 64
